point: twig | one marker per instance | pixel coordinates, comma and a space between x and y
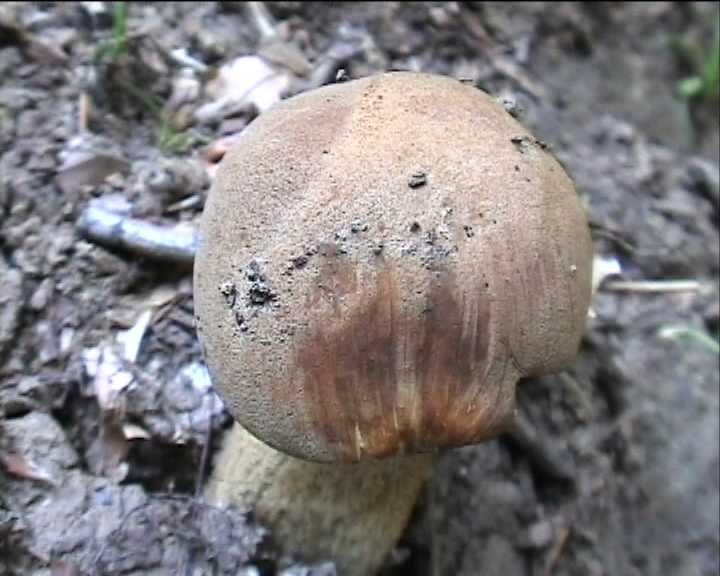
502, 64
181, 57
262, 20
556, 551
600, 231
676, 332
510, 69
200, 480
652, 286
184, 204
177, 244
84, 111
327, 68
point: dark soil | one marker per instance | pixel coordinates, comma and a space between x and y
109, 423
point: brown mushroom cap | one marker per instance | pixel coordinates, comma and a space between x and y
380, 261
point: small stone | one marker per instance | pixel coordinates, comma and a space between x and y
116, 180
42, 295
512, 108
14, 406
227, 289
40, 439
181, 394
417, 180
299, 261
66, 339
240, 321
10, 58
358, 226
11, 301
98, 13
47, 339
172, 178
541, 534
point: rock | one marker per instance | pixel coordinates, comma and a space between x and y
98, 13
11, 302
39, 439
181, 394
539, 535
175, 178
497, 558
61, 245
10, 58
29, 121
47, 341
42, 295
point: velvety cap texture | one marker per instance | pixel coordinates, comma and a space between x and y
381, 260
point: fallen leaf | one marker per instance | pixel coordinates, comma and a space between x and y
134, 432
22, 468
131, 339
88, 169
287, 55
246, 81
106, 454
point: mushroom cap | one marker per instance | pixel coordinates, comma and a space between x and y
380, 261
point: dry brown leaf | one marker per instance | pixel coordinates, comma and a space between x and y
22, 468
106, 455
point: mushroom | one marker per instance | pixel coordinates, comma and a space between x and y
380, 261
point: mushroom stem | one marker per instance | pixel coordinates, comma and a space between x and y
353, 514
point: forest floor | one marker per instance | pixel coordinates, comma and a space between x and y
105, 405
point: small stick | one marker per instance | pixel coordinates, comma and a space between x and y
652, 286
613, 236
84, 111
177, 244
189, 202
262, 19
556, 551
326, 70
200, 480
182, 58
